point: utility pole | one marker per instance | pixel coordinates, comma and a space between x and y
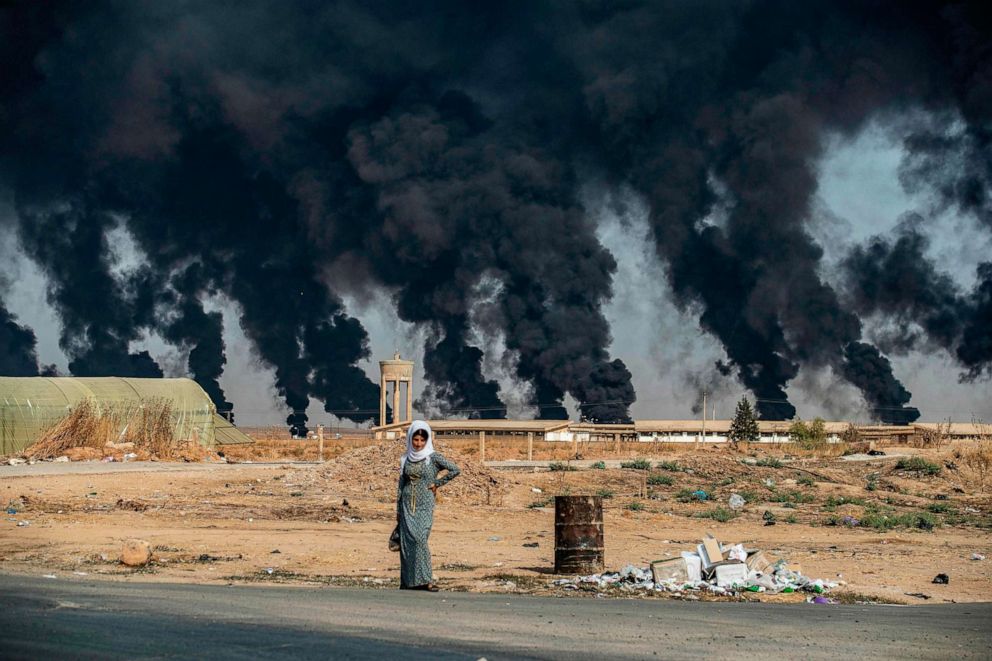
704, 416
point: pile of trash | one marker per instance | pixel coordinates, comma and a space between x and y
713, 567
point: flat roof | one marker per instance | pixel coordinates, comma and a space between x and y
499, 425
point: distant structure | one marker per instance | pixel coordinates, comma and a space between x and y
29, 406
396, 371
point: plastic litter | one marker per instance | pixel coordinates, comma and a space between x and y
850, 521
699, 494
737, 552
722, 572
941, 579
736, 501
974, 556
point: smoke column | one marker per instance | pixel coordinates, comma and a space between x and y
281, 155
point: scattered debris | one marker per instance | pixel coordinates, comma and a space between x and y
977, 556
941, 579
769, 518
531, 545
736, 501
714, 568
494, 538
918, 595
16, 461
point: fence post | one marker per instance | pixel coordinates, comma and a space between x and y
320, 443
482, 446
616, 443
530, 446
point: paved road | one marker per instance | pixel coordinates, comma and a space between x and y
61, 618
100, 467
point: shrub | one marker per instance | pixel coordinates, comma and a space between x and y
635, 506
792, 497
939, 508
605, 494
656, 479
541, 503
769, 462
809, 435
806, 481
880, 521
672, 466
599, 465
979, 459
791, 519
834, 501
720, 514
750, 496
918, 465
637, 464
560, 466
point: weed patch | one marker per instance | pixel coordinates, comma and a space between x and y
720, 514
918, 465
637, 464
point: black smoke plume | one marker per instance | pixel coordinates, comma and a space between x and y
924, 307
18, 356
282, 155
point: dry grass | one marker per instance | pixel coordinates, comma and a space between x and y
292, 449
978, 458
146, 428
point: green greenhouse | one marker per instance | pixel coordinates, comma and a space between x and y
31, 405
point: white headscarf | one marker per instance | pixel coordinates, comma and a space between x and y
414, 455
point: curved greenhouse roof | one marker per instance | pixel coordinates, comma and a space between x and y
30, 405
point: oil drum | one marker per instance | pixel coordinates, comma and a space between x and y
578, 534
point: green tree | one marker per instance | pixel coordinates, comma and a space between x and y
809, 435
744, 428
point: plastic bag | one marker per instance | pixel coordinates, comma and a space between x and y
394, 539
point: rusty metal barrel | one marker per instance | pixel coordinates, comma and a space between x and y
578, 534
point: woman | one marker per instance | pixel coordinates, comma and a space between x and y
415, 504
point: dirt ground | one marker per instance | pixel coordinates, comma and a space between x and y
881, 526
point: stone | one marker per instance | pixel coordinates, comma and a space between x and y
136, 553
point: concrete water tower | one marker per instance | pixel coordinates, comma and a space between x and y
396, 371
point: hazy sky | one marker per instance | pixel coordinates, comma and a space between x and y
670, 357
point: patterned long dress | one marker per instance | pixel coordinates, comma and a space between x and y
415, 512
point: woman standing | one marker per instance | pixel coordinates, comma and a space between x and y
415, 504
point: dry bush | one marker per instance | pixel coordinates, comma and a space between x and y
931, 438
978, 458
852, 435
146, 427
82, 427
